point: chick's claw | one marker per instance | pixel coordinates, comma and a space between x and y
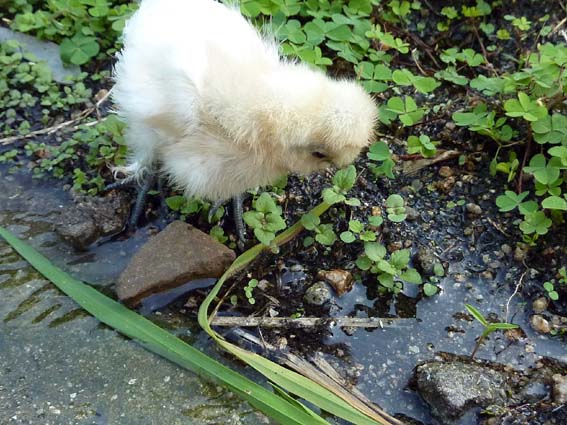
118, 185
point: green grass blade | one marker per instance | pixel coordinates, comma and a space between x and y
284, 378
159, 341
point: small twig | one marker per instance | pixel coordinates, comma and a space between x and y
412, 167
55, 128
416, 61
425, 47
564, 34
306, 322
559, 25
497, 227
47, 130
484, 52
518, 285
429, 121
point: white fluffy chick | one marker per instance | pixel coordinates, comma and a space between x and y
210, 102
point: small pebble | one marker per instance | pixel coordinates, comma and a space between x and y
413, 349
417, 185
514, 334
425, 260
101, 94
494, 265
341, 280
540, 324
445, 171
458, 277
555, 320
506, 249
412, 214
520, 254
264, 285
395, 246
474, 209
446, 185
540, 304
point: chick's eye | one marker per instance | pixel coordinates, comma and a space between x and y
319, 155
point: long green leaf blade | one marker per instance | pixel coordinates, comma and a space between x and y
159, 341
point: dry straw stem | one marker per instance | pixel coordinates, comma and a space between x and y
310, 322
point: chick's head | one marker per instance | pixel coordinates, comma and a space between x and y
330, 122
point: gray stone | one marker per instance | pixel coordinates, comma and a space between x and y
91, 218
318, 294
426, 260
44, 51
178, 254
453, 388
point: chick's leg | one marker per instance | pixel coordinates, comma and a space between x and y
142, 188
237, 211
141, 196
140, 171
